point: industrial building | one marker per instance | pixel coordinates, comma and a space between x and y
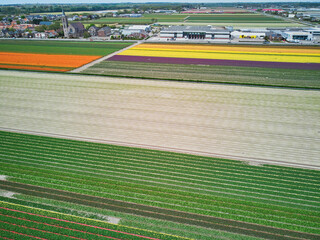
195, 32
136, 29
247, 35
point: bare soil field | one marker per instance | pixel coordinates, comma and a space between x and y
258, 123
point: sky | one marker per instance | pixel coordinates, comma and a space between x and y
139, 1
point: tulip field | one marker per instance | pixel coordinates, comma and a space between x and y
285, 66
227, 196
23, 222
52, 55
96, 157
246, 56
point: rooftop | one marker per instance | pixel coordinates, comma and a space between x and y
194, 29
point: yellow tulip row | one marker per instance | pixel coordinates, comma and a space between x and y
304, 50
244, 56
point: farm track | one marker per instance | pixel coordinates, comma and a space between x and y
90, 64
159, 213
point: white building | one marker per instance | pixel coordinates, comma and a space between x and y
248, 34
41, 35
137, 28
315, 33
293, 36
195, 32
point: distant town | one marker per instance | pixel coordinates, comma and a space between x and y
237, 24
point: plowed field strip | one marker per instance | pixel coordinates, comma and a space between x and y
159, 213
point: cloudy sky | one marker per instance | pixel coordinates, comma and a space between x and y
139, 1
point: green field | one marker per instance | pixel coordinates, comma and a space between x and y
116, 20
270, 196
245, 20
62, 47
145, 19
151, 224
201, 73
233, 18
167, 17
24, 222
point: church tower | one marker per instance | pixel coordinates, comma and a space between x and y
65, 24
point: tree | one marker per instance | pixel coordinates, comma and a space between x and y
41, 28
54, 26
36, 21
86, 35
89, 26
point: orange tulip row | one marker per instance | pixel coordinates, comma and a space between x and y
44, 60
33, 68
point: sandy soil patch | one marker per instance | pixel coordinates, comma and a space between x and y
8, 194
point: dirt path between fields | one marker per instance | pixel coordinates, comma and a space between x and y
158, 213
84, 67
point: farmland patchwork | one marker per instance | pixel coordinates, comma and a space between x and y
52, 56
250, 56
257, 201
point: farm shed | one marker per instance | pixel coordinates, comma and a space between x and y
315, 32
297, 35
146, 28
195, 32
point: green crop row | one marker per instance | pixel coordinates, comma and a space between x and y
31, 161
166, 204
234, 18
220, 74
69, 221
222, 202
214, 187
62, 47
107, 185
126, 219
59, 161
228, 169
159, 156
223, 179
